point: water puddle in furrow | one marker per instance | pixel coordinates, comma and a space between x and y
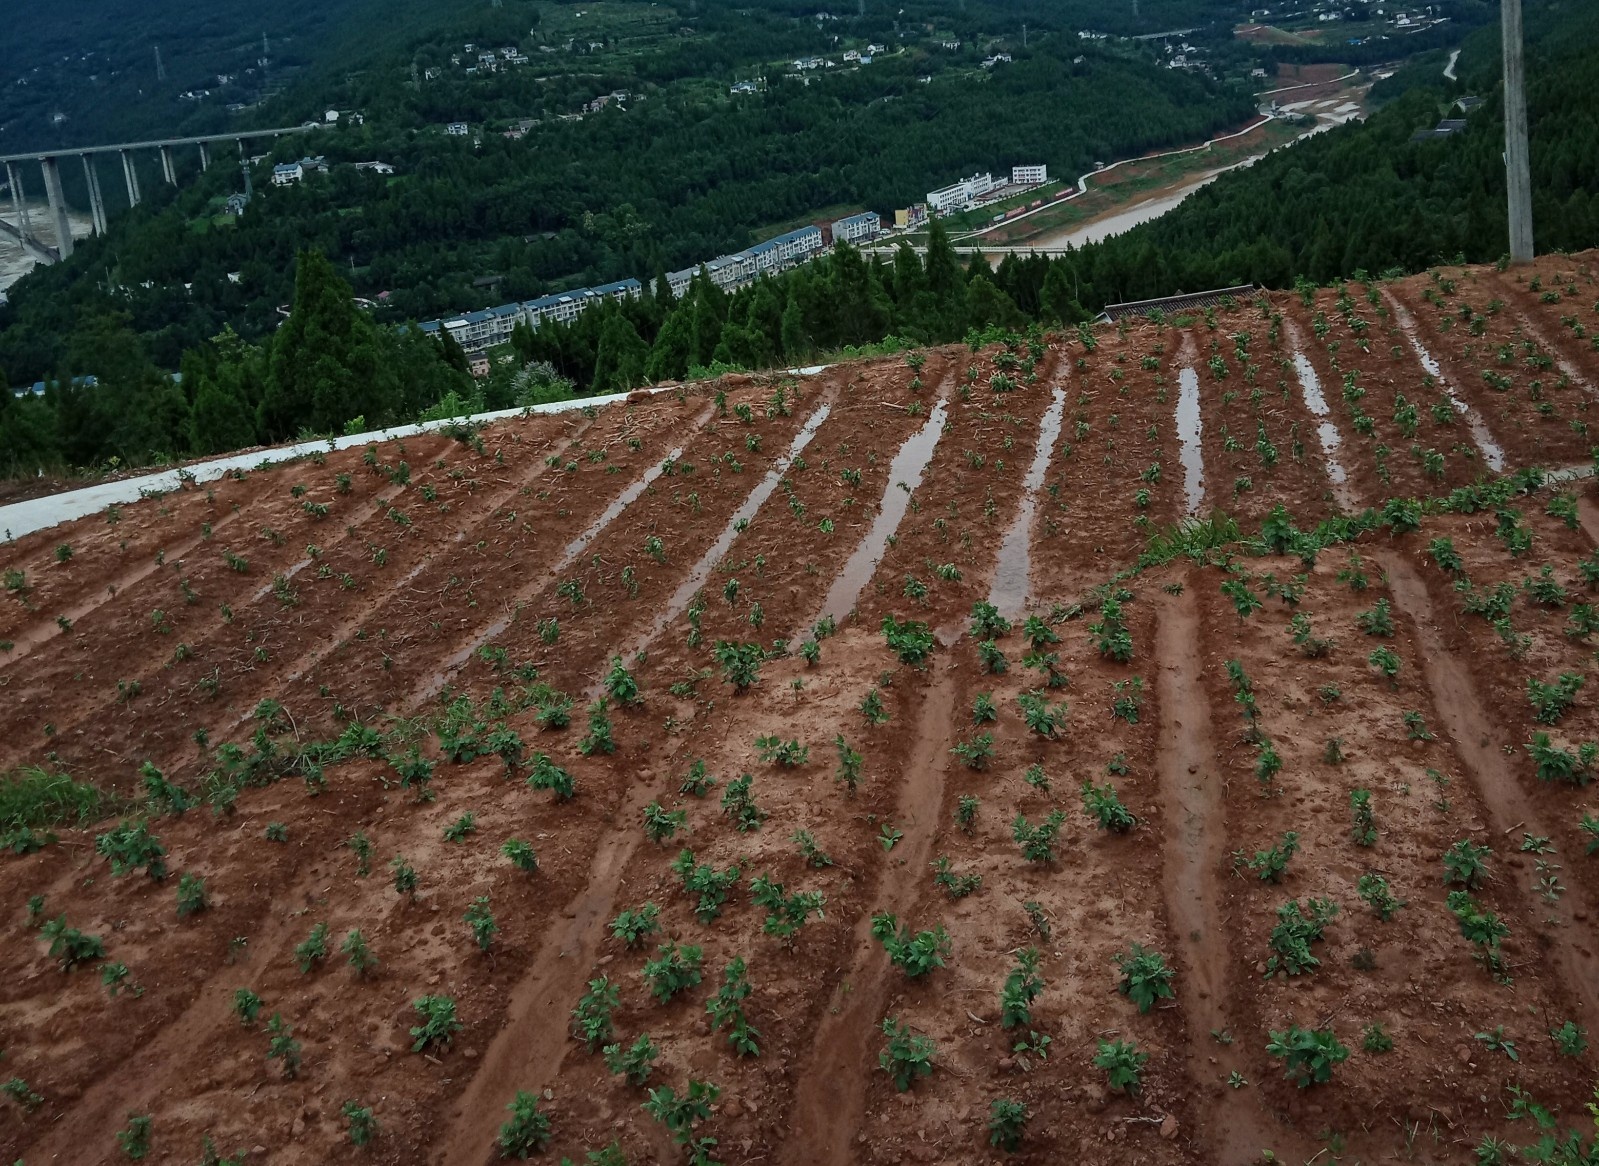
1326, 429
684, 595
904, 475
1015, 566
1492, 455
1188, 433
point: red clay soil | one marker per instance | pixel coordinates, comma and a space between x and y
527, 566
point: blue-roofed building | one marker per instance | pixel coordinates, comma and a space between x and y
786, 250
855, 228
622, 289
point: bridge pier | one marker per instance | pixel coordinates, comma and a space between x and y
91, 177
167, 170
130, 175
205, 158
18, 203
58, 205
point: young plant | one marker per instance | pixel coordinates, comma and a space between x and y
1007, 1122
738, 803
1465, 864
621, 684
784, 754
548, 775
1295, 932
849, 765
313, 949
598, 739
1145, 977
915, 954
527, 1131
1375, 1039
462, 828
1123, 1064
1102, 805
1363, 830
521, 854
976, 752
361, 957
1022, 986
911, 641
907, 1057
135, 1140
727, 1010
1308, 1055
191, 895
872, 709
635, 1063
282, 1047
1042, 717
709, 886
966, 814
246, 1005
788, 913
1038, 842
405, 878
1373, 889
661, 823
481, 921
439, 1025
591, 1019
1269, 865
360, 1124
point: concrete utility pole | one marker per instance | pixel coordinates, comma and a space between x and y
160, 69
1518, 163
58, 205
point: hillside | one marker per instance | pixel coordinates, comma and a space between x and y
711, 670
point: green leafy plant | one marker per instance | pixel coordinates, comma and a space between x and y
956, 886
1308, 1055
439, 1025
1037, 842
598, 739
480, 919
726, 1008
1007, 1122
784, 754
709, 886
635, 1062
313, 949
907, 1057
129, 846
282, 1047
1145, 977
915, 953
1297, 928
1550, 702
967, 806
976, 752
1102, 805
738, 803
462, 828
911, 641
1374, 890
191, 895
674, 970
135, 1140
1465, 864
1022, 986
1269, 865
1373, 1039
787, 913
360, 955
1123, 1064
361, 1126
591, 1018
526, 1131
1363, 830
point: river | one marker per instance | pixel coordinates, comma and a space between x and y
15, 262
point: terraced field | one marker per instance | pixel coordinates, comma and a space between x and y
1103, 736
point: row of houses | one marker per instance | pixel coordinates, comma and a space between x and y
972, 191
477, 332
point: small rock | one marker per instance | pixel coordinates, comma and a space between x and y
297, 1128
1168, 1127
1006, 1065
1094, 1098
258, 1151
732, 1109
469, 1054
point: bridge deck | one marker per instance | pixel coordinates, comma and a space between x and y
231, 136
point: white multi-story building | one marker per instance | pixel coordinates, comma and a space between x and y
960, 195
1029, 175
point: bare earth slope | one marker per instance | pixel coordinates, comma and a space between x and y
293, 650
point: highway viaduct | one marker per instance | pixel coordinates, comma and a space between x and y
49, 162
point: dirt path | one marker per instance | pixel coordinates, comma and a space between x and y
831, 1095
1466, 720
1233, 1126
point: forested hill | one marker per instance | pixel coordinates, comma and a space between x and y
1366, 196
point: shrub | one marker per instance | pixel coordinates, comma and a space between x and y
135, 1140
910, 641
1363, 831
527, 1131
480, 919
548, 775
129, 846
1308, 1055
361, 957
1465, 864
635, 1063
907, 1057
1550, 702
727, 1010
1269, 865
1373, 888
1295, 932
915, 954
598, 739
439, 1025
1145, 977
191, 895
362, 1126
741, 663
738, 803
987, 623
247, 1005
70, 946
976, 752
784, 754
591, 1019
1022, 986
709, 885
1123, 1064
521, 854
956, 886
1007, 1121
1101, 804
282, 1047
788, 912
313, 950
1038, 842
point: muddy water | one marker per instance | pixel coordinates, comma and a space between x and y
1015, 566
904, 475
1188, 427
684, 595
1326, 429
15, 261
1492, 455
